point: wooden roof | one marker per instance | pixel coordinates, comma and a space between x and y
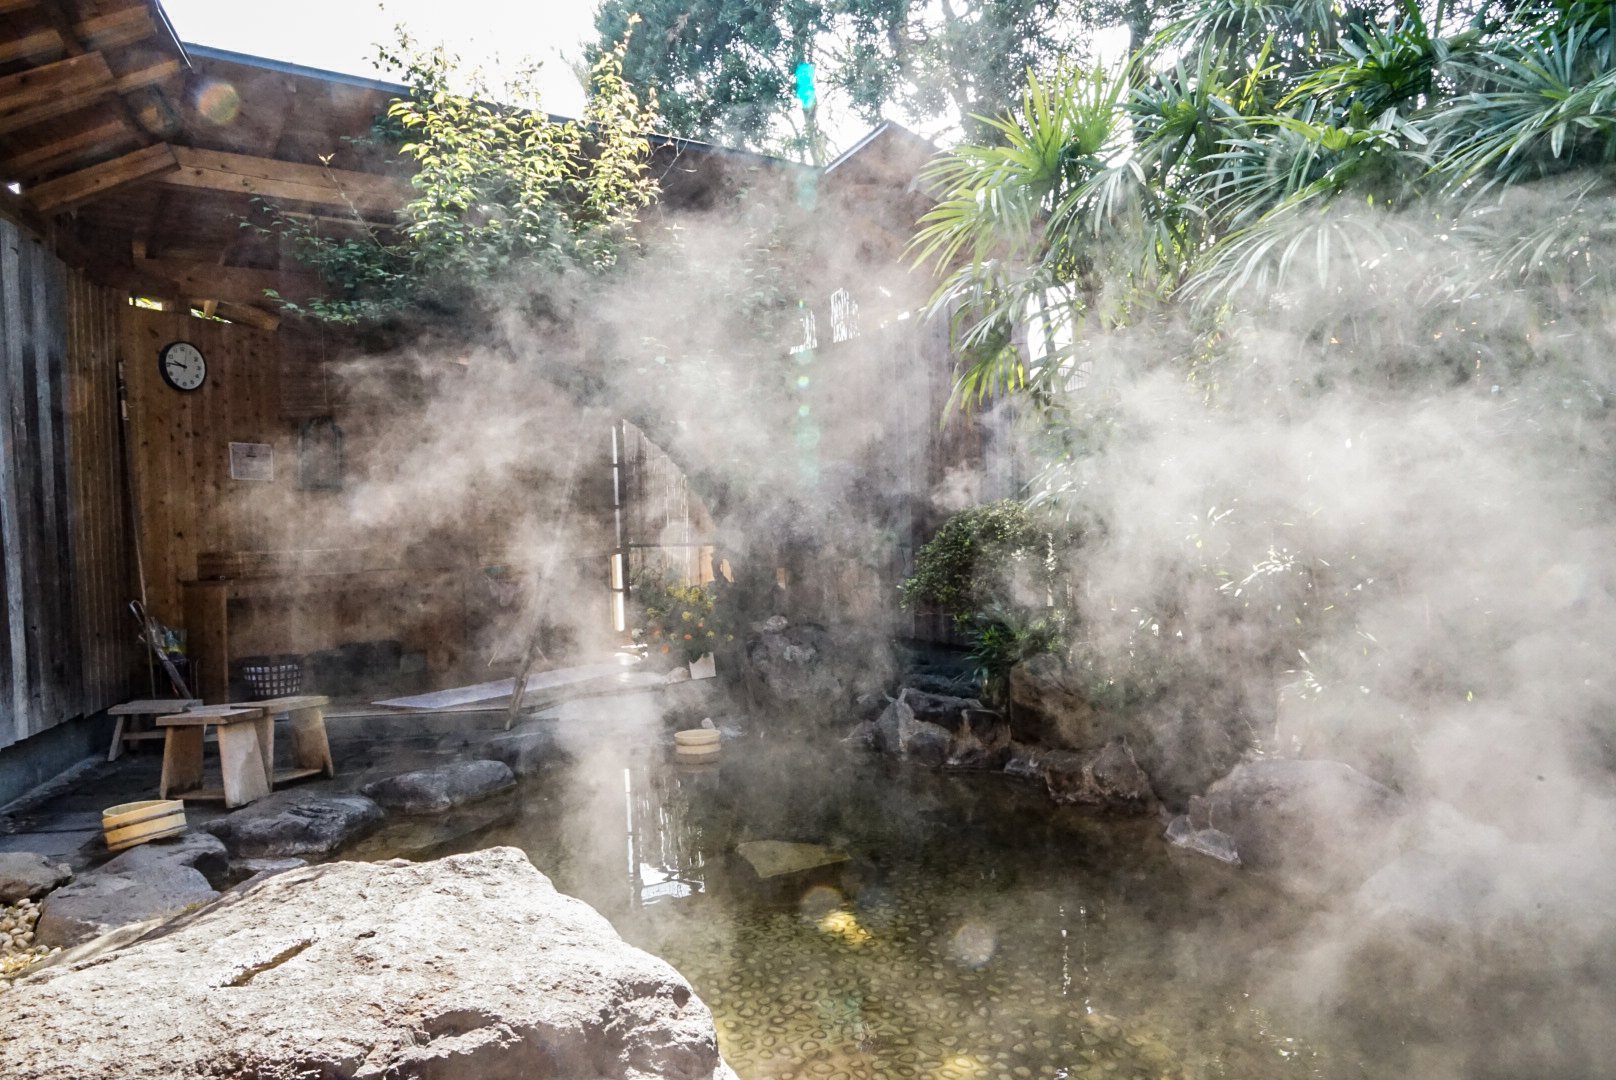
140, 157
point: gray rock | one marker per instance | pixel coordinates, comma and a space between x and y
927, 743
346, 970
870, 704
1026, 762
201, 851
523, 752
1214, 843
863, 736
105, 899
1116, 781
793, 664
295, 823
982, 741
889, 724
941, 709
1048, 707
947, 686
26, 876
1315, 825
247, 868
429, 791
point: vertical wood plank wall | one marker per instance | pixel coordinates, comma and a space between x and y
181, 444
103, 556
65, 549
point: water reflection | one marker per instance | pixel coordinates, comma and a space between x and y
973, 932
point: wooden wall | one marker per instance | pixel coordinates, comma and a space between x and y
65, 537
440, 582
103, 555
180, 445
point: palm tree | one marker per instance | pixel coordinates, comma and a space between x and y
1259, 146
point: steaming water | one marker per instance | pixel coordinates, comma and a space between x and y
974, 932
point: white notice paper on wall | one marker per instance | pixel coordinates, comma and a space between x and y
252, 461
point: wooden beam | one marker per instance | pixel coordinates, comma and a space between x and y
8, 6
41, 158
49, 110
161, 71
97, 180
236, 284
38, 43
245, 314
216, 170
73, 75
123, 27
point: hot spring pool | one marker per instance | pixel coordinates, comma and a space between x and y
974, 932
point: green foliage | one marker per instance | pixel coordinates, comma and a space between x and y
677, 621
1253, 149
979, 559
501, 189
723, 68
1004, 637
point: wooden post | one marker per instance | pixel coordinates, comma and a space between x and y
207, 639
310, 747
182, 761
241, 760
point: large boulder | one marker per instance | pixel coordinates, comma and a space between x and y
26, 876
199, 851
470, 966
1110, 778
295, 824
797, 663
926, 743
901, 730
1048, 706
125, 890
1315, 825
430, 791
524, 752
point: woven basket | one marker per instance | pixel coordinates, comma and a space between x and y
273, 676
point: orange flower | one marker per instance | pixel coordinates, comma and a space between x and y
687, 637
665, 648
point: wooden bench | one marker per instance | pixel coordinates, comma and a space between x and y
246, 748
134, 720
246, 753
311, 751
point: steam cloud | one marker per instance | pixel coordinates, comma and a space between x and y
1376, 529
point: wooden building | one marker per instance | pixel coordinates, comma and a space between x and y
129, 163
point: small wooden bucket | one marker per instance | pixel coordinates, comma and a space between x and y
696, 738
128, 824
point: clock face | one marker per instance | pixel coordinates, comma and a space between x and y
182, 365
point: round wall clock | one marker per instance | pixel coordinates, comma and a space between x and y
182, 365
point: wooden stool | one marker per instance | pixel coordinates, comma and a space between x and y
311, 751
246, 753
134, 720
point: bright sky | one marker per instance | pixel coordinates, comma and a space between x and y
341, 35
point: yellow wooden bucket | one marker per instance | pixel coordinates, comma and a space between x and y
696, 738
128, 824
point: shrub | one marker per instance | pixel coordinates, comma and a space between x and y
977, 560
677, 621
